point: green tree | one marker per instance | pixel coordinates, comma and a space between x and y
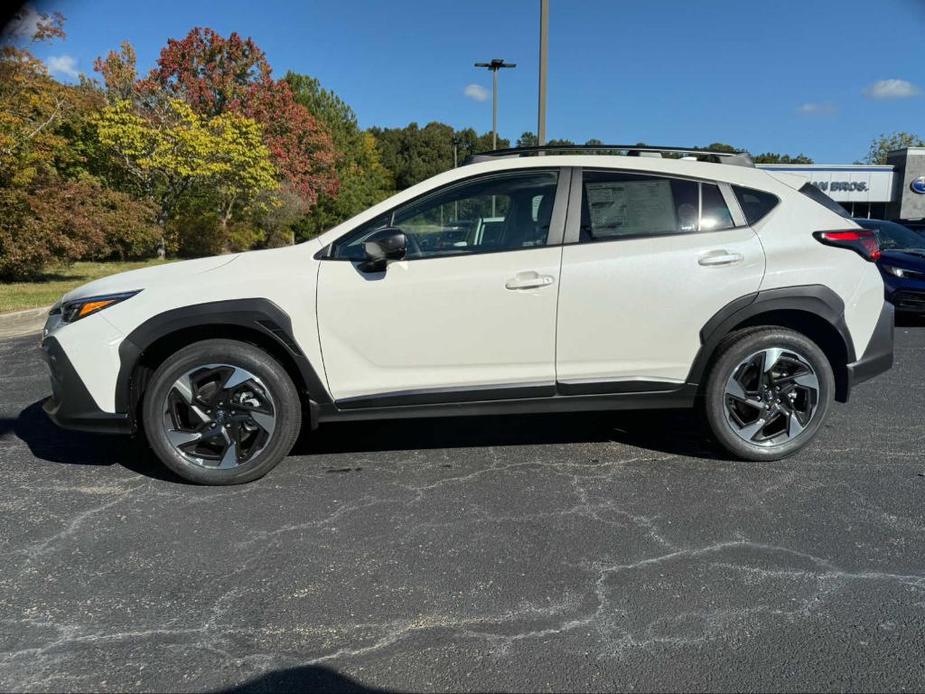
775, 158
721, 147
364, 181
881, 146
221, 162
413, 154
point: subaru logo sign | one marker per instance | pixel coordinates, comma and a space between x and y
918, 185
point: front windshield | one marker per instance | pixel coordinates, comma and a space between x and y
894, 236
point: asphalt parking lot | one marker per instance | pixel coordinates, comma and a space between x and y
580, 552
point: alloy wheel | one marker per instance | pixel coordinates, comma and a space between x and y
771, 397
219, 416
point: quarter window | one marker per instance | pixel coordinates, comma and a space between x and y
756, 204
502, 212
620, 205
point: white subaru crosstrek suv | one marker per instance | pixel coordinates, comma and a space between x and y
514, 284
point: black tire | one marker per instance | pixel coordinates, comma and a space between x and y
732, 355
276, 441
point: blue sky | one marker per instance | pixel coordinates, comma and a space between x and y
822, 77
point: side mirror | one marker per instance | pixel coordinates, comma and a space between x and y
385, 245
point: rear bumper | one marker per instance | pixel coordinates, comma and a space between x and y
71, 405
878, 357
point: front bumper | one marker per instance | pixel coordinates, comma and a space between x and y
878, 357
906, 295
71, 406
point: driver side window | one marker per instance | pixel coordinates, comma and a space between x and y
500, 212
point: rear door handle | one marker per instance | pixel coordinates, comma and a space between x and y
718, 258
529, 280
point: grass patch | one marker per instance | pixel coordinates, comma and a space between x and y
16, 296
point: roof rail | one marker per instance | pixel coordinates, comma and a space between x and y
735, 158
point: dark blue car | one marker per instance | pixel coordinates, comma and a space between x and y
902, 264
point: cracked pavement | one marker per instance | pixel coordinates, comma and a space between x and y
579, 552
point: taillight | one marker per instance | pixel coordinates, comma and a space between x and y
861, 241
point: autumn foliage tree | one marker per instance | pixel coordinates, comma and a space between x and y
178, 153
52, 207
215, 75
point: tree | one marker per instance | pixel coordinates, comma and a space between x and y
215, 75
119, 72
529, 139
52, 209
219, 161
209, 72
363, 180
413, 154
881, 146
774, 158
721, 147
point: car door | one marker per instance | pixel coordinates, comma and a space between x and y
468, 314
648, 261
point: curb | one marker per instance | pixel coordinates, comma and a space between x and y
21, 323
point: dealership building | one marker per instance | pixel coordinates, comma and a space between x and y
894, 191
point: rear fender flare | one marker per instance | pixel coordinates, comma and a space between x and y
815, 299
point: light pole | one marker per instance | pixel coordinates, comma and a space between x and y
544, 55
495, 65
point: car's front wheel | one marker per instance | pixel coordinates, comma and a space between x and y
768, 393
221, 412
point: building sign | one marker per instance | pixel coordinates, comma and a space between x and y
840, 186
918, 185
842, 183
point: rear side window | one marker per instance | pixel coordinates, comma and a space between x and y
624, 205
811, 191
756, 204
714, 214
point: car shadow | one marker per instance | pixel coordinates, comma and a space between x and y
676, 432
910, 320
48, 442
304, 678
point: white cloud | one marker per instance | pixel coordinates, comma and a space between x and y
813, 108
24, 23
476, 92
892, 89
64, 65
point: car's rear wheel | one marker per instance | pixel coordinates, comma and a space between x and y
221, 412
768, 393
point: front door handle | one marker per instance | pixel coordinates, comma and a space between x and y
718, 258
529, 280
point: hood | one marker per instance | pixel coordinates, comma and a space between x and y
146, 277
907, 260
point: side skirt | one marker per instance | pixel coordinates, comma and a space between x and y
681, 397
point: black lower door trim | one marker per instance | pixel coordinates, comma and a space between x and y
435, 396
681, 397
604, 387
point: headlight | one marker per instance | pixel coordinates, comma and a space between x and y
903, 273
81, 308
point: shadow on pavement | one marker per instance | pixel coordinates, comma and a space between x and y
909, 320
48, 442
304, 678
668, 431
